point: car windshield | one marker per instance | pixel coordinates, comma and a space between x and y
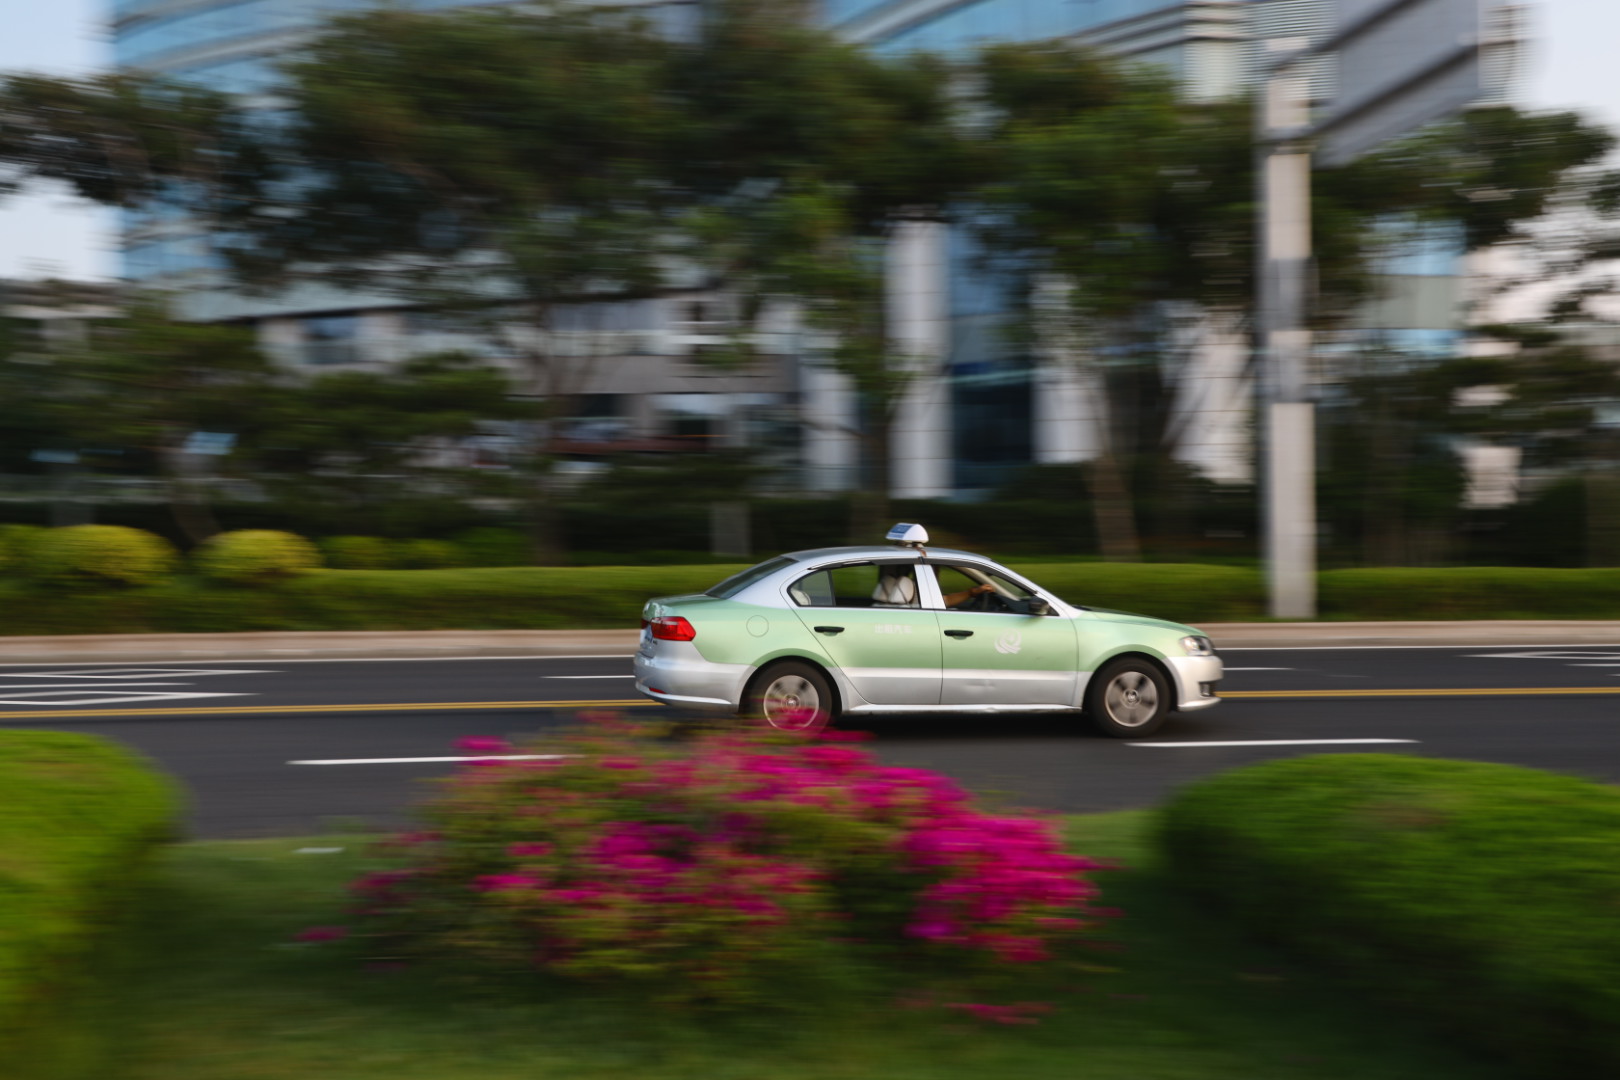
736, 583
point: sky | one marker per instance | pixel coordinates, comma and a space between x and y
48, 233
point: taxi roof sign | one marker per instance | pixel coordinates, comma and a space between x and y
908, 535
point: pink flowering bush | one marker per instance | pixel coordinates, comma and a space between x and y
698, 865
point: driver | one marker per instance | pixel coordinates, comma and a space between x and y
956, 599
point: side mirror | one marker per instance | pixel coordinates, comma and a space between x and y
1038, 606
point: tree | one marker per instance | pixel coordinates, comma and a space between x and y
368, 442
1136, 209
144, 387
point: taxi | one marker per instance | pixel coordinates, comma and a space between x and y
809, 636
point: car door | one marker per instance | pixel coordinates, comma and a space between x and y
869, 618
994, 652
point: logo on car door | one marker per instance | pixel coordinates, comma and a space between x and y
1010, 642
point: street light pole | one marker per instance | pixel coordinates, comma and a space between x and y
1289, 472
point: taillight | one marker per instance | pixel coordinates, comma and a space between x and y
672, 628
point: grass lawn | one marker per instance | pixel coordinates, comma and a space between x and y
221, 993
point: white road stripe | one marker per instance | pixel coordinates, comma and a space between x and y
420, 760
128, 673
1258, 669
1276, 742
590, 676
136, 697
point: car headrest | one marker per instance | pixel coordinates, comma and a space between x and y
895, 590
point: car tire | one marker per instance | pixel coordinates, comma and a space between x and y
1129, 698
791, 696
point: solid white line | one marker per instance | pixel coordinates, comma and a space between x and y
1258, 669
134, 698
590, 676
418, 760
1276, 742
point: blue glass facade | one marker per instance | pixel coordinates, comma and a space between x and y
959, 27
234, 46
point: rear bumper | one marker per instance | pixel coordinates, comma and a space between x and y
1197, 680
675, 673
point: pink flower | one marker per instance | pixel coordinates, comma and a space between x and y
483, 744
322, 933
507, 882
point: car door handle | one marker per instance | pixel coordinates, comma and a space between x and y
829, 630
958, 633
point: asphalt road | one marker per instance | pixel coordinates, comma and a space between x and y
301, 748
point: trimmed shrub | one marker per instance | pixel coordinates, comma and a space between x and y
17, 545
356, 552
80, 819
708, 868
1470, 592
494, 547
255, 557
425, 555
91, 555
1483, 897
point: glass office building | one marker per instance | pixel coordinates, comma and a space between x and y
985, 416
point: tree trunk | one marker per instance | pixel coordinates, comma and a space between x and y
188, 505
1112, 504
869, 512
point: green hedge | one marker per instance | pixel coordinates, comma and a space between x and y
513, 598
584, 597
79, 818
1482, 897
1470, 592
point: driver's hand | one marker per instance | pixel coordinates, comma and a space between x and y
979, 590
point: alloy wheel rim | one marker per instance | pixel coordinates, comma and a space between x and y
1132, 699
792, 703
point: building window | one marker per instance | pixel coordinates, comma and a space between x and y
331, 339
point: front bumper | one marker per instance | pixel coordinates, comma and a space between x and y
1197, 680
675, 673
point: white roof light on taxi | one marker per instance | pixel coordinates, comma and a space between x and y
908, 535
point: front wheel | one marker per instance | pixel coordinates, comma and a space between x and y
1128, 698
791, 696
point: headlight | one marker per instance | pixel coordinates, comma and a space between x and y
1198, 646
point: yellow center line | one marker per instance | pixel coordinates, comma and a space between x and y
262, 710
1471, 691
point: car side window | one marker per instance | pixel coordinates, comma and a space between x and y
963, 588
861, 585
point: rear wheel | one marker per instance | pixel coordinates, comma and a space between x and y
1128, 698
792, 696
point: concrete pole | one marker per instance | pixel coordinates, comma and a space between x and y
917, 288
1290, 421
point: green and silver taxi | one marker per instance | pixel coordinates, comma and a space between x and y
905, 628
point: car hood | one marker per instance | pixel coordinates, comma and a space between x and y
1109, 615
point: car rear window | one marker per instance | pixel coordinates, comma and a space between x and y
736, 583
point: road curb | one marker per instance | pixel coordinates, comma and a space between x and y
294, 645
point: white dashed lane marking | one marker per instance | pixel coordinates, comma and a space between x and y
1272, 742
422, 760
112, 686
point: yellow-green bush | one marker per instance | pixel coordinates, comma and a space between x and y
356, 552
426, 555
1484, 898
80, 819
16, 542
255, 557
99, 555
